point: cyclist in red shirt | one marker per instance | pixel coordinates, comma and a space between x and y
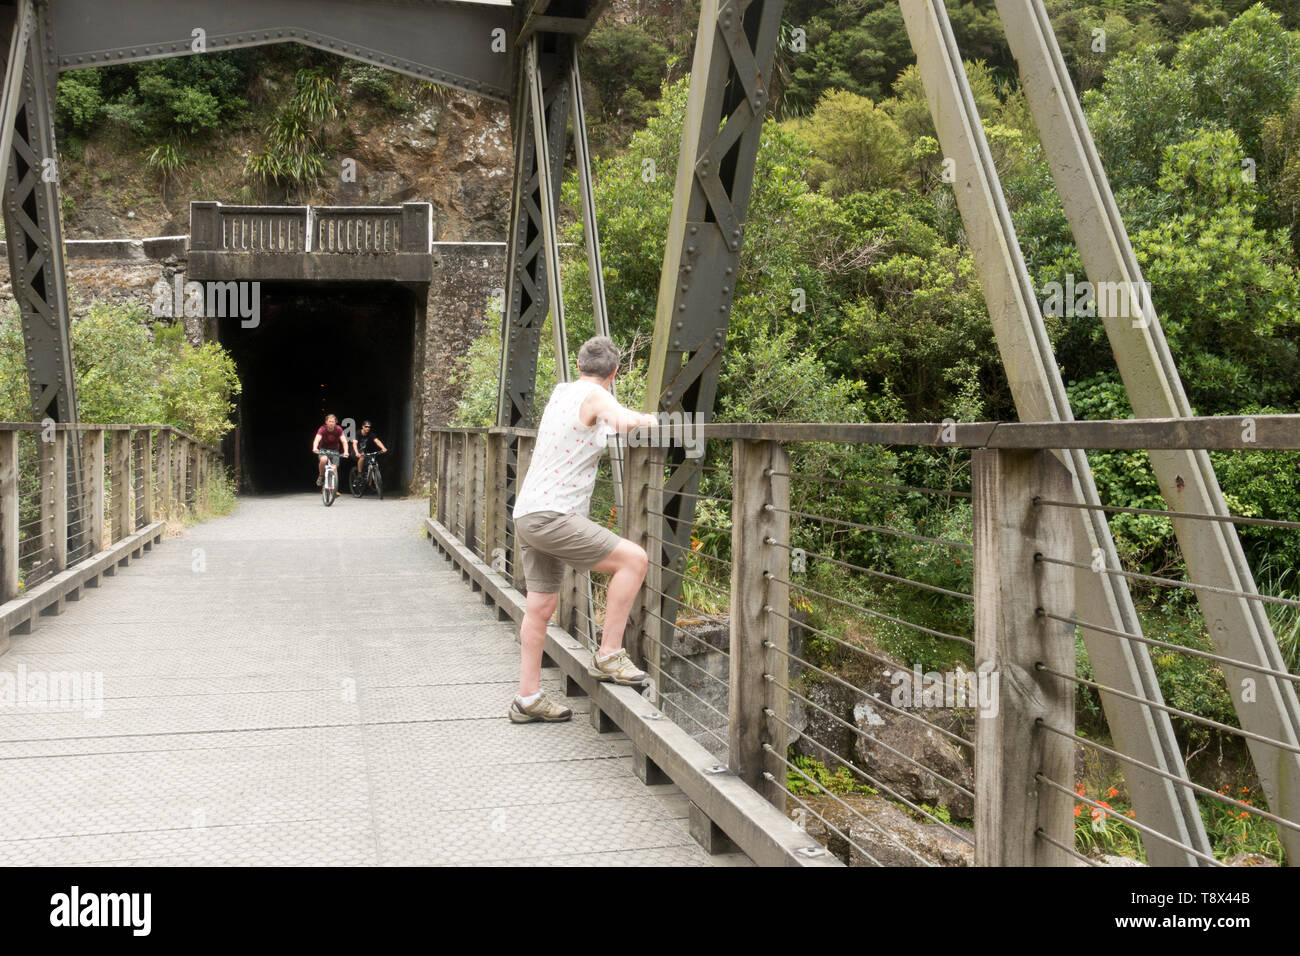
329, 437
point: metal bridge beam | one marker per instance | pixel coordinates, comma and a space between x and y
31, 213
730, 82
1146, 733
1238, 626
451, 43
532, 254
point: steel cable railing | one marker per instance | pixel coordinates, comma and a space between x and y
840, 589
1159, 587
69, 491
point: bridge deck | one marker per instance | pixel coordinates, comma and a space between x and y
296, 685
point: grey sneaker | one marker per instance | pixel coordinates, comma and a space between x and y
320, 482
618, 668
543, 708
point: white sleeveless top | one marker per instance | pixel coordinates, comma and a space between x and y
562, 472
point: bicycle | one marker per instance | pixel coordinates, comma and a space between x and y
330, 489
371, 478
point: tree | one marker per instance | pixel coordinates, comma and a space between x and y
855, 144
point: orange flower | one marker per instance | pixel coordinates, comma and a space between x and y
1131, 815
1079, 790
696, 544
1112, 792
1077, 809
1104, 804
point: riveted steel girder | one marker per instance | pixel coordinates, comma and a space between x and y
532, 248
464, 45
1039, 392
1238, 626
730, 82
30, 206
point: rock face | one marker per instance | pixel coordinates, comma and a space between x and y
456, 154
465, 276
890, 745
914, 757
698, 651
876, 832
906, 756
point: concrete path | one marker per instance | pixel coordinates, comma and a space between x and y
301, 685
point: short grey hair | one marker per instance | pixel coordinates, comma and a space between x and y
598, 356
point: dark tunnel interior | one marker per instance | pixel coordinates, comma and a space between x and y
317, 348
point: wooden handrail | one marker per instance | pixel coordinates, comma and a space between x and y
1217, 433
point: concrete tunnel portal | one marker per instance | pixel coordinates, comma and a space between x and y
321, 347
341, 295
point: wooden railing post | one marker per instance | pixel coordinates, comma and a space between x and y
458, 485
474, 465
8, 515
494, 502
760, 606
1011, 638
164, 469
192, 467
182, 474
435, 480
119, 467
445, 459
205, 470
92, 464
59, 519
643, 471
146, 467
523, 459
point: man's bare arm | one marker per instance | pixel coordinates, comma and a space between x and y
603, 406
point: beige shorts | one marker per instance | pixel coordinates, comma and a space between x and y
548, 540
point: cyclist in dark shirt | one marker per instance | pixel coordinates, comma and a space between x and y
329, 437
366, 441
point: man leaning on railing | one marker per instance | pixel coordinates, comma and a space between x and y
552, 527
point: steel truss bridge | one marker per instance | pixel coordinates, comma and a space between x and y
527, 54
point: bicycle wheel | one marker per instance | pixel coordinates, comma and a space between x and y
378, 479
330, 491
357, 482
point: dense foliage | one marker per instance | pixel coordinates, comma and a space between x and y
858, 298
129, 370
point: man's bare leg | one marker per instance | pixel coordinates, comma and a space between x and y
538, 608
626, 565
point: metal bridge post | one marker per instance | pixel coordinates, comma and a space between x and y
540, 110
735, 48
1011, 638
1238, 626
31, 216
760, 607
1039, 393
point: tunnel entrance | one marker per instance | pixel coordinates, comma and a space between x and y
321, 347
